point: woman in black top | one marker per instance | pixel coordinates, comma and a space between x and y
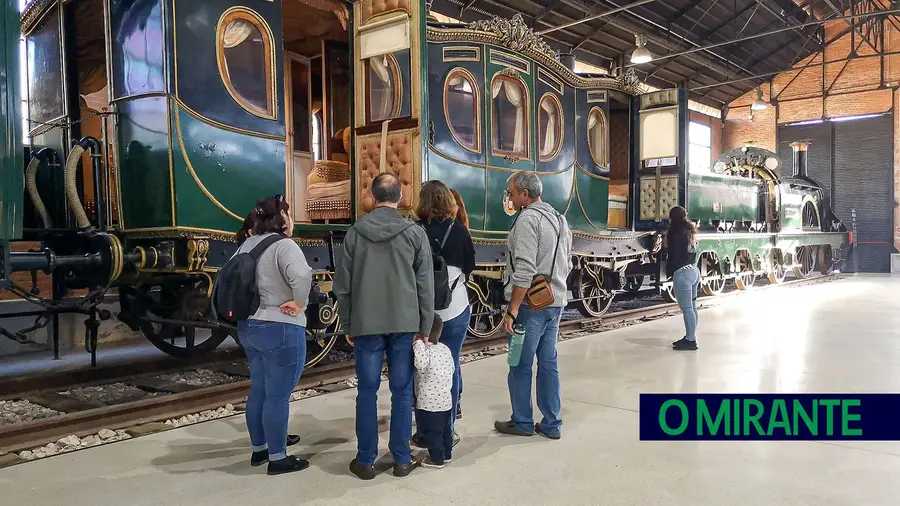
437, 212
680, 242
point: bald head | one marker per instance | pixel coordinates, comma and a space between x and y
386, 189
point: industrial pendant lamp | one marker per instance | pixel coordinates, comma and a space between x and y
759, 104
641, 54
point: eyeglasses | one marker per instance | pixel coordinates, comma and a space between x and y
279, 197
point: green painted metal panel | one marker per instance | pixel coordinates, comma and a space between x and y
468, 180
720, 197
12, 175
143, 137
219, 174
593, 200
791, 204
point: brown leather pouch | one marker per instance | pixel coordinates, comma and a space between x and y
540, 294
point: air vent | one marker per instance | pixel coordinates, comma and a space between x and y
462, 53
513, 62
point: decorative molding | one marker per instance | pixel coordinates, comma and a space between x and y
515, 34
630, 82
509, 72
32, 13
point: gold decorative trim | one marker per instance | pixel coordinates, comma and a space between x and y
589, 173
34, 13
143, 254
435, 150
515, 34
512, 61
171, 162
508, 74
397, 85
605, 121
198, 251
383, 14
550, 96
211, 122
137, 96
445, 59
477, 112
190, 168
597, 96
551, 81
253, 17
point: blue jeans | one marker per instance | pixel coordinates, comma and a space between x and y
453, 335
369, 352
276, 352
541, 330
686, 281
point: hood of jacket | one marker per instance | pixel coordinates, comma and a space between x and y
382, 224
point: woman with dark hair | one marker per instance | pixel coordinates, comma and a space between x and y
461, 215
274, 338
437, 213
681, 242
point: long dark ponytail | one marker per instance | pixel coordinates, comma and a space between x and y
680, 224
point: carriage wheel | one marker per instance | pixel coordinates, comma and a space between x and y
318, 344
746, 275
486, 319
668, 294
826, 260
596, 299
712, 279
181, 299
633, 283
777, 272
805, 261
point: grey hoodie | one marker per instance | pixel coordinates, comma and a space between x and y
384, 280
531, 242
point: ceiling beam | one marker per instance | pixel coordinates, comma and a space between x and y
596, 16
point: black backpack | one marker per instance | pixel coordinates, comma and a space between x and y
236, 296
443, 292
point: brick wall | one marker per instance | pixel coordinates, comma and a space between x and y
831, 89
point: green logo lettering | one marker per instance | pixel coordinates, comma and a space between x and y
779, 418
812, 424
662, 417
846, 417
704, 419
829, 415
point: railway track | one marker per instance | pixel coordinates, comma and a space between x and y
168, 400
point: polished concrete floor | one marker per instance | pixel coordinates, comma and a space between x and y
836, 337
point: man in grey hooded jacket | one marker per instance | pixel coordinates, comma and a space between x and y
384, 283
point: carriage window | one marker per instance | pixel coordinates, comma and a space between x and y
508, 117
385, 87
461, 108
597, 137
549, 127
245, 61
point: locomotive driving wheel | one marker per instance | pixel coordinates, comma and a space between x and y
486, 317
596, 299
826, 260
711, 278
777, 271
163, 313
805, 261
746, 274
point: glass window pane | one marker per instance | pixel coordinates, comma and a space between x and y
597, 137
384, 88
461, 108
699, 134
245, 54
549, 127
510, 133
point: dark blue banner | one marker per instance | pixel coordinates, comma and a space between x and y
776, 417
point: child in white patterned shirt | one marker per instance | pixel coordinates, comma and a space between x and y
433, 381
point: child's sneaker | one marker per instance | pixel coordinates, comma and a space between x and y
429, 463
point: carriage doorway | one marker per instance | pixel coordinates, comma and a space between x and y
304, 139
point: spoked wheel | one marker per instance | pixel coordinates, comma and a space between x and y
181, 300
810, 217
777, 272
826, 260
319, 342
486, 319
596, 299
633, 283
712, 279
746, 274
805, 261
668, 294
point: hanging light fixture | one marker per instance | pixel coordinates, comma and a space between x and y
641, 54
759, 104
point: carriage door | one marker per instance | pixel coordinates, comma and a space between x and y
660, 180
299, 122
389, 97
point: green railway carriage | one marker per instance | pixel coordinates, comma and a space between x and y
156, 124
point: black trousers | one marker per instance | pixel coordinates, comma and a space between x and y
434, 431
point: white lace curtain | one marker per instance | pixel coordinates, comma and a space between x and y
236, 32
597, 137
549, 108
384, 106
461, 85
516, 96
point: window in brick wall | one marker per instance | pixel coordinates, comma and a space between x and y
700, 147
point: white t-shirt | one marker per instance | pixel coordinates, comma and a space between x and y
459, 300
434, 376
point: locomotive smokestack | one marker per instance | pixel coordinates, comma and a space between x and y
799, 148
568, 60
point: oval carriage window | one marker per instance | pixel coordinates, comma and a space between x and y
508, 116
597, 137
549, 127
461, 108
245, 61
384, 88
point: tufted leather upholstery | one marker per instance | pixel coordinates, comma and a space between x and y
659, 98
667, 196
372, 8
398, 161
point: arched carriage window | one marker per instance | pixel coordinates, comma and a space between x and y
385, 87
550, 130
597, 133
461, 108
246, 60
509, 120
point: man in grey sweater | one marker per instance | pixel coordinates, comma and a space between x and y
384, 283
538, 236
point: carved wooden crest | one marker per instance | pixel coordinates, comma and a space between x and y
515, 34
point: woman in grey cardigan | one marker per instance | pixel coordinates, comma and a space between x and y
274, 337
